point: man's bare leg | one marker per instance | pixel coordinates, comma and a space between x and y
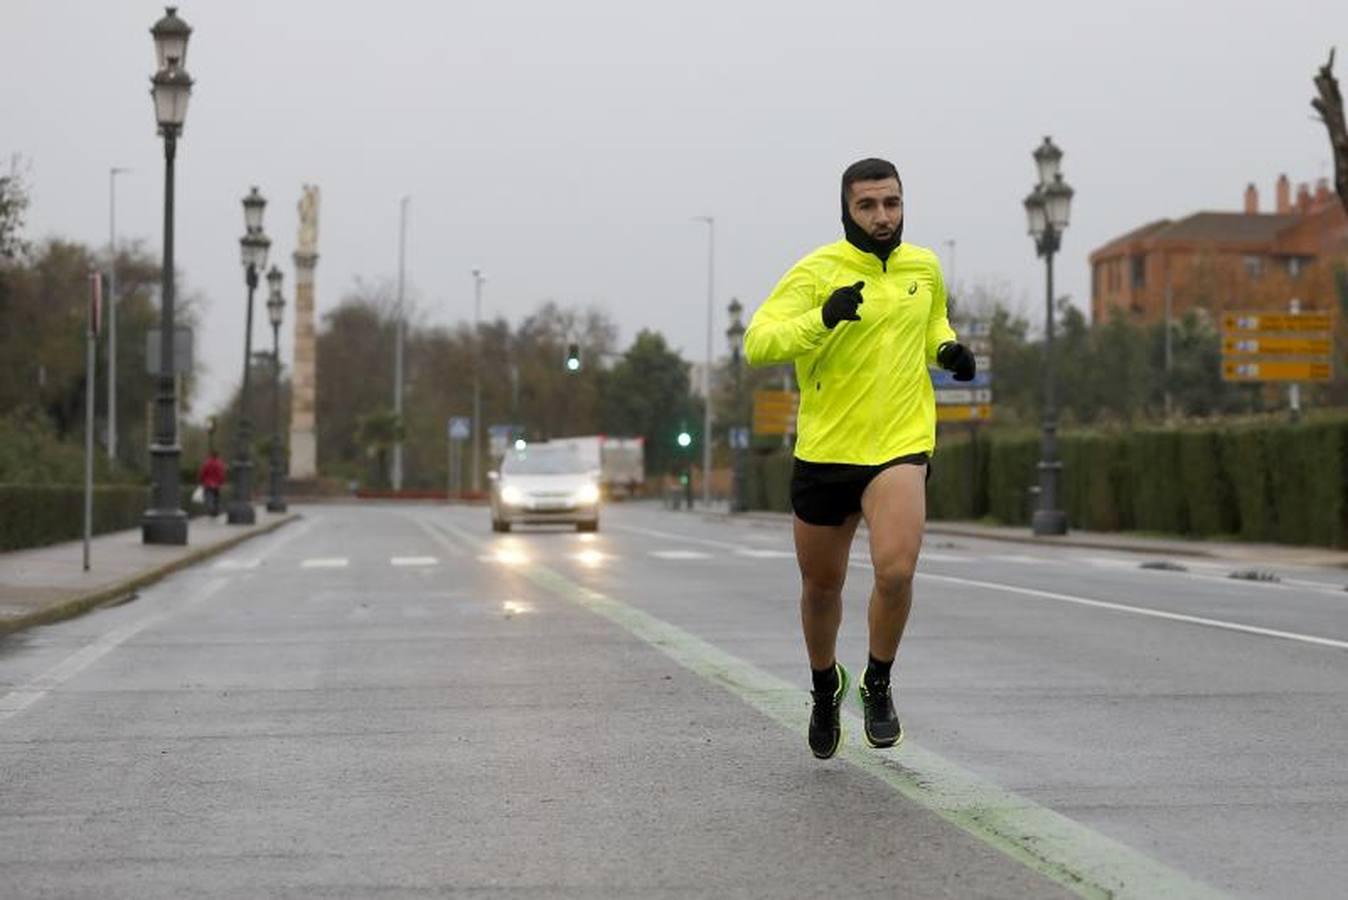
822, 553
895, 507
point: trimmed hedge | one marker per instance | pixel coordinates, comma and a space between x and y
1283, 483
33, 515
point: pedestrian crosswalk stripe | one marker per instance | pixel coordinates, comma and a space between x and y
414, 560
680, 554
329, 563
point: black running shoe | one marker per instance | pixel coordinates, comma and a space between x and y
826, 718
882, 723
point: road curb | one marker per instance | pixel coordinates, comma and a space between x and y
1116, 546
68, 609
944, 530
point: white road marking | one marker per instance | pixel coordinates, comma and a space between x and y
335, 562
680, 554
706, 542
942, 557
1143, 611
1023, 558
414, 561
19, 699
1109, 562
765, 554
238, 564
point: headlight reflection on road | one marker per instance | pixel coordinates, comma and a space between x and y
590, 558
509, 554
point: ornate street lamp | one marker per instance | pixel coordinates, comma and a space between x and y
1048, 209
734, 335
253, 247
164, 521
276, 305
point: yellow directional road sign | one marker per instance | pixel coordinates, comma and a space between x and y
1277, 370
977, 413
1259, 345
775, 412
1276, 322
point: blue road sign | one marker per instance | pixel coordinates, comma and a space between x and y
460, 428
943, 379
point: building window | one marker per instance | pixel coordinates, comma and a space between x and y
1296, 265
1254, 266
1139, 264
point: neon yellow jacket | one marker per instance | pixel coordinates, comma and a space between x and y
865, 392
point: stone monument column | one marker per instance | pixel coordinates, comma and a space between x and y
303, 376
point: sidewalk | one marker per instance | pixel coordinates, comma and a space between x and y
1269, 554
46, 584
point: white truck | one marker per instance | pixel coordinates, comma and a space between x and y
620, 461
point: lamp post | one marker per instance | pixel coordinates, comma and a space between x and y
165, 522
734, 335
706, 370
112, 308
253, 248
478, 280
276, 305
1048, 208
398, 336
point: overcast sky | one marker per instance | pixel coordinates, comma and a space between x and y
565, 147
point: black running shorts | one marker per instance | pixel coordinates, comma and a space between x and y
827, 493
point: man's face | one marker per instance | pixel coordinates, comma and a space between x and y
877, 206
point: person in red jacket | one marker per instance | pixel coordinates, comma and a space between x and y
212, 476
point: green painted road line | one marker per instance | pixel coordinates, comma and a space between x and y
1075, 856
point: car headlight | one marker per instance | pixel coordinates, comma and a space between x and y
588, 494
511, 495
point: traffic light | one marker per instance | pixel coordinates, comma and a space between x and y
573, 357
684, 438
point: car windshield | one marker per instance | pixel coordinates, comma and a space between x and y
542, 461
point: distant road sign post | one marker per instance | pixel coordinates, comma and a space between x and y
459, 429
775, 412
967, 401
1291, 347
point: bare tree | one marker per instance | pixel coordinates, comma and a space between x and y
1330, 107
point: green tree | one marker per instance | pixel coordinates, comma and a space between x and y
647, 394
13, 204
43, 320
354, 376
377, 433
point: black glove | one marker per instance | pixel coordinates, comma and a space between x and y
841, 306
959, 359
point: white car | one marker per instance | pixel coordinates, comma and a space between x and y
541, 484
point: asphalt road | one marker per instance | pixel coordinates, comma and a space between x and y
392, 701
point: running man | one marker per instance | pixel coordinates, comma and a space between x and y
862, 319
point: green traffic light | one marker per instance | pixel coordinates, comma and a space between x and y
573, 365
685, 439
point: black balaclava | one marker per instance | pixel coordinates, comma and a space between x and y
870, 170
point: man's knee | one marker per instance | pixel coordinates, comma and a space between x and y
822, 584
894, 576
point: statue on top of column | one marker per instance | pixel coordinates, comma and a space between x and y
308, 241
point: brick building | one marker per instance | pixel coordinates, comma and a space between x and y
1226, 260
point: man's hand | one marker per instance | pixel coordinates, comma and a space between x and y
959, 359
842, 305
